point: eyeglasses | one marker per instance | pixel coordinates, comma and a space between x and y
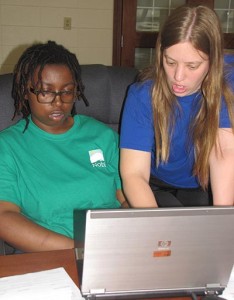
48, 97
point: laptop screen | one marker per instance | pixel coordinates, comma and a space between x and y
162, 251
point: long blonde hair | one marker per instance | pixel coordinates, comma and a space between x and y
201, 27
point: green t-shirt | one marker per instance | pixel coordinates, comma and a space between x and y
49, 175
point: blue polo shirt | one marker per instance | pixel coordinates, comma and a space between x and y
137, 132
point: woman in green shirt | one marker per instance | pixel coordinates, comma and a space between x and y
53, 161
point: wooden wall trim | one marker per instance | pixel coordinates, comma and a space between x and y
117, 32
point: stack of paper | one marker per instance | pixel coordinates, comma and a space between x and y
53, 284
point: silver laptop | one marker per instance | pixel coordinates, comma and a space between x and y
162, 252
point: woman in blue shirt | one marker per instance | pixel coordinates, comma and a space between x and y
177, 129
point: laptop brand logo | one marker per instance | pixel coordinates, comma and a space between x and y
97, 158
164, 244
163, 249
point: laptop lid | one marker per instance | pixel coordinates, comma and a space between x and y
171, 251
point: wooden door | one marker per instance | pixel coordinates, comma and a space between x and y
127, 40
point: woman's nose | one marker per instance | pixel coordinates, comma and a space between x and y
57, 100
179, 73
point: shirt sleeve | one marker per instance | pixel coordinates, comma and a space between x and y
137, 121
8, 177
224, 121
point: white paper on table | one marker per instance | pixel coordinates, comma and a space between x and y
228, 293
54, 284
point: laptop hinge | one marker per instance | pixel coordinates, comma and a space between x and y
93, 293
213, 289
97, 291
79, 253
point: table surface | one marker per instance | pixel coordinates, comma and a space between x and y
33, 262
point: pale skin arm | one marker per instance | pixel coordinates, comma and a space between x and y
135, 173
27, 236
222, 169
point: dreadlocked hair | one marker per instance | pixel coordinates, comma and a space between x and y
38, 56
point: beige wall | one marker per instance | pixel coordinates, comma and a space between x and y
23, 22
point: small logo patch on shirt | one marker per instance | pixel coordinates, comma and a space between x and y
97, 158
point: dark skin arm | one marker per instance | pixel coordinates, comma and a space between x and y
27, 236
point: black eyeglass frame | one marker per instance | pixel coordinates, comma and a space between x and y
60, 93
